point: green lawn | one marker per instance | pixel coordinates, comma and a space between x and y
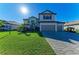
21, 44
77, 31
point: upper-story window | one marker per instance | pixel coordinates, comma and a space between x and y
47, 17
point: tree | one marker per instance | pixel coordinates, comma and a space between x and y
1, 24
33, 25
21, 28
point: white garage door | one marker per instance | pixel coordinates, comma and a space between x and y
47, 27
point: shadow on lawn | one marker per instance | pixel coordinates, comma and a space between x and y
62, 36
29, 33
26, 33
40, 34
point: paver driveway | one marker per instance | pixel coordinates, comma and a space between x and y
63, 43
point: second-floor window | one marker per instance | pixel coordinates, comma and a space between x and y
47, 17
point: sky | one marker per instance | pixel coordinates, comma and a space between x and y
64, 11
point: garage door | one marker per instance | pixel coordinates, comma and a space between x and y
59, 28
47, 27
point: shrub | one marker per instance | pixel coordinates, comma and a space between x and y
70, 29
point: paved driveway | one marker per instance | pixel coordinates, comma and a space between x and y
63, 43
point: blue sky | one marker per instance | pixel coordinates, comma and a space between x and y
65, 11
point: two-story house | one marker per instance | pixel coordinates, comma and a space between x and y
48, 22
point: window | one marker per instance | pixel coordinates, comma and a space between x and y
47, 17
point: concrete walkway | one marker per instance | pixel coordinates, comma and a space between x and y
62, 47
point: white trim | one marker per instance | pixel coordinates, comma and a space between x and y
56, 27
47, 23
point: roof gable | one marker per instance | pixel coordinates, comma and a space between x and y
32, 17
48, 12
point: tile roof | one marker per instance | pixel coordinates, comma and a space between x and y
72, 23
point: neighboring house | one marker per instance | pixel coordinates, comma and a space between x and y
45, 22
26, 23
31, 22
74, 24
10, 25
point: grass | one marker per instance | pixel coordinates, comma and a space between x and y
77, 31
21, 44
